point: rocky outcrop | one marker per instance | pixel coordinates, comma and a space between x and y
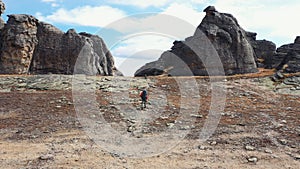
227, 38
264, 51
48, 53
287, 57
2, 9
230, 41
68, 53
30, 46
18, 42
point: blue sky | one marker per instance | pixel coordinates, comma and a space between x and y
137, 32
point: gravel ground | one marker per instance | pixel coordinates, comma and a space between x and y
56, 121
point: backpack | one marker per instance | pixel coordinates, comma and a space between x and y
144, 95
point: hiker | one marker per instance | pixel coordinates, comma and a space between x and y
144, 97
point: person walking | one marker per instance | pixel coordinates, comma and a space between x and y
144, 97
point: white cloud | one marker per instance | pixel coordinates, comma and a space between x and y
54, 3
128, 66
170, 21
141, 3
98, 16
275, 20
155, 3
187, 13
49, 0
160, 23
143, 42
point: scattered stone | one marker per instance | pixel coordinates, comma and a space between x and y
163, 117
249, 148
133, 121
283, 141
185, 128
186, 151
196, 115
202, 147
252, 159
130, 128
170, 125
268, 151
213, 143
47, 157
124, 161
297, 157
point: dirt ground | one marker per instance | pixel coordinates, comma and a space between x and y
42, 127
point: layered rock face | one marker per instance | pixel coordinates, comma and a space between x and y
32, 47
230, 43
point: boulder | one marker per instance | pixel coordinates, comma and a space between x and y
230, 41
297, 40
210, 9
220, 35
48, 56
30, 46
287, 57
17, 42
264, 51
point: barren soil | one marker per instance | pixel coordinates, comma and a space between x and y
39, 127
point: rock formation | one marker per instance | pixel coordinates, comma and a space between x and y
30, 46
264, 51
2, 9
227, 38
288, 57
18, 42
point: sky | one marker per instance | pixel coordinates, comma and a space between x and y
138, 31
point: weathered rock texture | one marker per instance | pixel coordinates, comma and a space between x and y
18, 42
60, 53
2, 9
228, 39
30, 46
264, 51
288, 57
